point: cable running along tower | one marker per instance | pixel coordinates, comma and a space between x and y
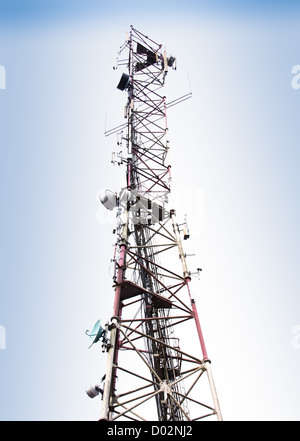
157, 363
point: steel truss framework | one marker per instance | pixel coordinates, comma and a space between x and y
157, 363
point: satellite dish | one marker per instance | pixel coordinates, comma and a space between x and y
96, 332
93, 391
109, 199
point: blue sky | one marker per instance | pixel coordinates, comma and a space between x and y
22, 11
235, 154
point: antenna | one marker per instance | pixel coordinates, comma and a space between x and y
156, 347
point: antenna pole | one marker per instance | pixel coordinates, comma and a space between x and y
155, 318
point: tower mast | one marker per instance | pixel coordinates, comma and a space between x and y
157, 363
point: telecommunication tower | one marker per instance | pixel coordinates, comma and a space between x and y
157, 363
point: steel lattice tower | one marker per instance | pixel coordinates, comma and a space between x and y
157, 363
